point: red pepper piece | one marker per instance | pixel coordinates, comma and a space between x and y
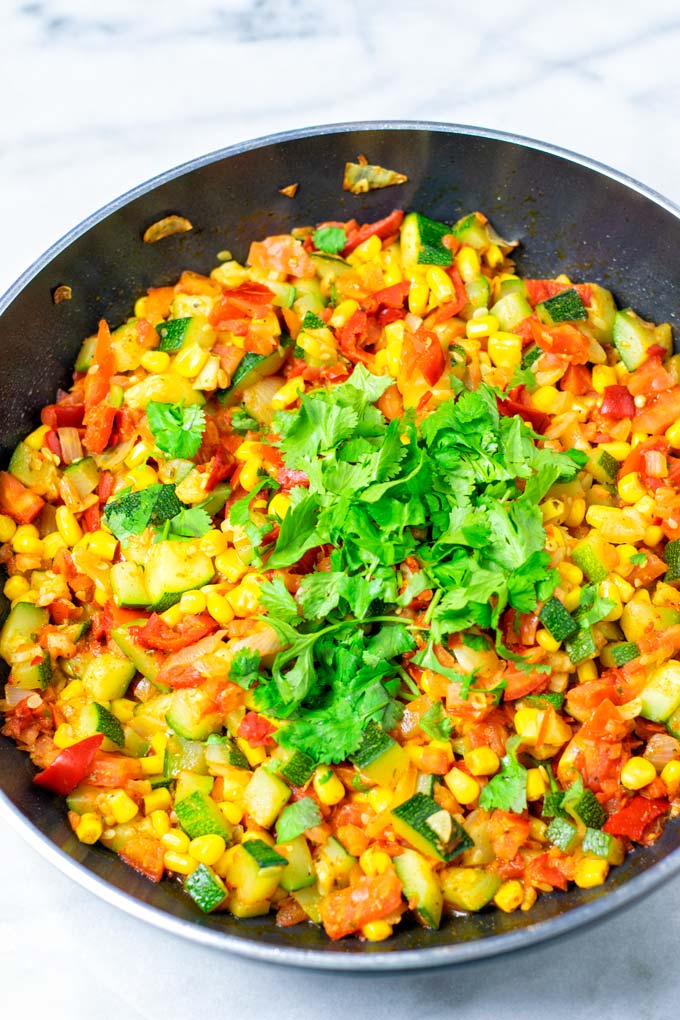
381, 228
617, 402
20, 503
633, 819
157, 634
70, 766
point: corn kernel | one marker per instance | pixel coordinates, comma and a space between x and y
52, 543
63, 736
152, 765
375, 862
7, 528
440, 284
608, 589
538, 829
255, 755
155, 361
653, 535
572, 600
173, 615
289, 392
367, 250
122, 708
670, 774
207, 849
394, 339
576, 512
673, 435
630, 488
377, 931
529, 898
249, 473
570, 572
618, 450
157, 800
637, 773
625, 590
103, 544
232, 812
603, 376
586, 671
141, 477
218, 607
547, 642
192, 603
482, 761
483, 325
72, 690
160, 822
418, 297
27, 540
245, 598
327, 786
380, 799
102, 596
464, 788
545, 398
493, 256
527, 721
505, 349
537, 785
590, 871
176, 840
68, 526
139, 454
89, 828
15, 587
123, 808
159, 742
182, 864
190, 360
213, 543
467, 262
510, 896
342, 312
230, 564
279, 505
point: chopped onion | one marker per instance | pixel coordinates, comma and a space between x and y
166, 227
71, 447
112, 458
257, 399
14, 695
70, 495
265, 641
414, 322
661, 748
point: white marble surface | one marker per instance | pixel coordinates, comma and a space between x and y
98, 95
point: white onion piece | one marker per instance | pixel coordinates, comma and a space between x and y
112, 458
257, 399
414, 322
265, 641
14, 695
661, 748
71, 447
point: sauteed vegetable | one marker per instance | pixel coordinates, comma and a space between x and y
344, 582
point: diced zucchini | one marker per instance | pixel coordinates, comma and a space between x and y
200, 816
95, 718
216, 500
105, 676
633, 337
338, 859
661, 694
135, 746
127, 585
380, 758
189, 782
583, 805
585, 557
241, 909
251, 369
563, 307
601, 844
582, 646
531, 355
478, 290
510, 310
421, 887
553, 698
183, 754
558, 620
328, 267
190, 714
563, 834
85, 357
310, 901
84, 475
34, 674
143, 659
425, 784
171, 569
256, 870
603, 467
221, 754
673, 724
619, 654
671, 555
33, 469
206, 888
421, 242
471, 230
264, 797
176, 333
167, 388
84, 799
296, 767
429, 828
299, 872
468, 888
601, 314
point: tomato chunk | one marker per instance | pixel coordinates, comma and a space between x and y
372, 898
17, 501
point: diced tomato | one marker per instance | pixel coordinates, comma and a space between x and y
248, 300
283, 254
127, 422
519, 684
70, 766
635, 459
63, 415
651, 377
541, 290
113, 769
538, 420
584, 697
186, 675
633, 820
221, 466
158, 302
577, 380
372, 898
507, 832
256, 730
381, 228
145, 854
97, 382
17, 501
63, 611
659, 413
435, 761
617, 402
422, 351
99, 421
351, 334
288, 478
156, 633
390, 297
563, 339
551, 868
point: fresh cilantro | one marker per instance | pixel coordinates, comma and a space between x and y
435, 723
277, 600
296, 818
244, 667
193, 522
593, 608
242, 422
638, 559
330, 240
177, 429
523, 377
131, 513
312, 321
239, 516
507, 789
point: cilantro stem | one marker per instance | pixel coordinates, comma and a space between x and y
433, 605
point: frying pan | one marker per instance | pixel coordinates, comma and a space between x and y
571, 216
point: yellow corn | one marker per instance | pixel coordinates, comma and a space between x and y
625, 590
36, 439
586, 671
173, 615
440, 284
214, 542
288, 393
510, 895
63, 736
527, 722
610, 590
482, 761
89, 828
603, 376
493, 256
482, 325
375, 862
160, 822
320, 346
673, 435
139, 454
394, 337
379, 798
529, 898
193, 602
152, 765
245, 598
279, 505
537, 785
505, 349
467, 262
255, 755
670, 774
545, 398
230, 564
547, 642
7, 528
631, 488
464, 788
248, 448
418, 297
176, 840
537, 829
219, 608
141, 477
618, 450
249, 473
122, 708
576, 512
190, 360
653, 535
327, 786
26, 538
367, 250
155, 361
15, 587
72, 690
157, 800
52, 543
637, 773
123, 808
232, 812
377, 931
68, 526
590, 871
342, 313
207, 849
183, 864
103, 544
570, 572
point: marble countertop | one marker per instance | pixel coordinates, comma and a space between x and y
100, 96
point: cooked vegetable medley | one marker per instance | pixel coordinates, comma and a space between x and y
344, 583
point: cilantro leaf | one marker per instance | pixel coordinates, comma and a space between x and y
436, 723
242, 422
638, 559
312, 321
244, 668
507, 789
296, 818
278, 601
192, 522
330, 240
177, 429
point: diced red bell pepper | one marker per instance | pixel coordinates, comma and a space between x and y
538, 420
256, 730
634, 819
349, 336
17, 501
381, 228
70, 766
63, 415
97, 383
145, 854
577, 380
99, 421
541, 290
156, 633
247, 301
617, 402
